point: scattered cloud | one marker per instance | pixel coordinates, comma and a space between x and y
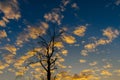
107, 66
90, 46
80, 31
93, 63
54, 17
2, 23
65, 2
109, 35
82, 61
10, 10
3, 65
64, 52
3, 34
117, 2
32, 32
75, 6
68, 39
9, 58
12, 49
106, 73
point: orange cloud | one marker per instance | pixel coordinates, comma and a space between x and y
3, 34
68, 39
10, 9
82, 61
80, 31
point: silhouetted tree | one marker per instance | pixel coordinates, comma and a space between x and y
45, 52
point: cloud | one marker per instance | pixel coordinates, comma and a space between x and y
109, 35
65, 2
82, 61
10, 10
2, 23
117, 2
68, 39
19, 73
106, 73
12, 49
54, 17
9, 58
84, 52
93, 63
107, 66
117, 72
64, 52
80, 31
3, 65
32, 32
75, 6
3, 34
58, 44
90, 46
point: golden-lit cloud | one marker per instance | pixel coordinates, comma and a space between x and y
80, 31
10, 10
1, 72
68, 39
11, 70
110, 33
84, 75
93, 63
107, 66
117, 71
90, 46
58, 44
12, 49
106, 73
101, 42
82, 61
32, 32
3, 65
19, 73
64, 52
9, 58
3, 34
2, 23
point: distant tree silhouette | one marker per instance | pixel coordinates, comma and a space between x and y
46, 55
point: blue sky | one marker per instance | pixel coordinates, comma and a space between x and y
91, 42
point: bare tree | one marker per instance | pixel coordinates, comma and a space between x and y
45, 55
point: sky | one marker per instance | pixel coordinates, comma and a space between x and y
91, 42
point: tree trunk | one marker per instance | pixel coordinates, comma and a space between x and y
49, 71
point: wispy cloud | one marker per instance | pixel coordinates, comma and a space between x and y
109, 35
